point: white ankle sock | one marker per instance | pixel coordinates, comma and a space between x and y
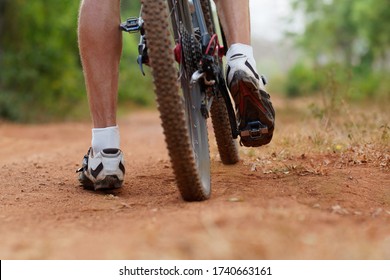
246, 50
104, 138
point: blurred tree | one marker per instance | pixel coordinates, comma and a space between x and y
373, 20
351, 35
40, 71
351, 31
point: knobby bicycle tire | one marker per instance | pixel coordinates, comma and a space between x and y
188, 170
227, 145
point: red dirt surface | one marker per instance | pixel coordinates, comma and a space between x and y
319, 206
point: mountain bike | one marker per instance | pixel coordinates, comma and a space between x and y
179, 41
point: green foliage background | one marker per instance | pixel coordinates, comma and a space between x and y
346, 46
40, 70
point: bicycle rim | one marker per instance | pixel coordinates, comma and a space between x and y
197, 126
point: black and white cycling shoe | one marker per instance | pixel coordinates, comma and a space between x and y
105, 170
255, 113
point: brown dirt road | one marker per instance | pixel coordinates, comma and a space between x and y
269, 206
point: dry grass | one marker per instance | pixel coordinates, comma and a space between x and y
310, 137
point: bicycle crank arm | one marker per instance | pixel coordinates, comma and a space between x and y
135, 25
229, 106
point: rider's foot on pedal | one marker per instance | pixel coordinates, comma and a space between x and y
103, 170
255, 114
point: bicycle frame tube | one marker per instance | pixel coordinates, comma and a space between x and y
205, 36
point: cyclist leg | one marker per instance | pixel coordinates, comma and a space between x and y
254, 108
235, 19
100, 45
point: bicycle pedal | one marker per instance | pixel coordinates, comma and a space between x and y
132, 25
254, 130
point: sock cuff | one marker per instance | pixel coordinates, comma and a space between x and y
244, 49
104, 138
105, 129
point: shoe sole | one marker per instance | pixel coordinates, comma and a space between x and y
246, 97
109, 182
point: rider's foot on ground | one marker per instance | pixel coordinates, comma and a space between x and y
104, 170
255, 113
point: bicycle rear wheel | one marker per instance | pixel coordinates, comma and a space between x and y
183, 123
227, 145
